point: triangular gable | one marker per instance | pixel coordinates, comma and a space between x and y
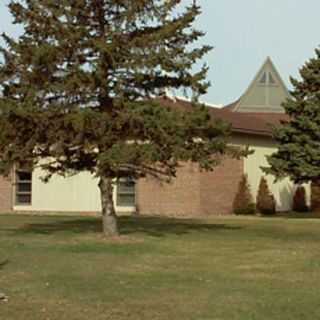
266, 93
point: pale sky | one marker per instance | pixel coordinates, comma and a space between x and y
244, 33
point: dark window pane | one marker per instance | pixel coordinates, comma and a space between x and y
24, 187
126, 186
263, 79
125, 200
271, 79
126, 192
24, 176
126, 189
23, 198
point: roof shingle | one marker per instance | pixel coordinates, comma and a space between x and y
250, 123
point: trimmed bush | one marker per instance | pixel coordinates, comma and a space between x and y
266, 203
315, 196
243, 202
300, 200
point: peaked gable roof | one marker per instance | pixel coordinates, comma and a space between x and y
265, 94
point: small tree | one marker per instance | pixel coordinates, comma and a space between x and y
266, 203
243, 202
299, 200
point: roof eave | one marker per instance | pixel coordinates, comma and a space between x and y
252, 132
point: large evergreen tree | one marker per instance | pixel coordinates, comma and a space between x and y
298, 155
79, 87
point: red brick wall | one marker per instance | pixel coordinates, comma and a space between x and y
181, 197
6, 194
219, 187
192, 193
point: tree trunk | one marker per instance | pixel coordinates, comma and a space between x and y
109, 218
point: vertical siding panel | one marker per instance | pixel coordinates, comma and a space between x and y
283, 190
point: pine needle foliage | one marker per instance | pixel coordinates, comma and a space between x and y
298, 155
266, 203
78, 88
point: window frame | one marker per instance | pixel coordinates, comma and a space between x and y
120, 193
263, 81
17, 192
267, 80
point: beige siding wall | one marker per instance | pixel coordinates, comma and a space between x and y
283, 191
79, 193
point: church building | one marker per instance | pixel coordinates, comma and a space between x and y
193, 193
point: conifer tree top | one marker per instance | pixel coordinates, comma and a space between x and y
82, 77
299, 138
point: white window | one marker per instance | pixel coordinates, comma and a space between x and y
126, 192
23, 188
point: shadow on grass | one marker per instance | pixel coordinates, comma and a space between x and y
3, 264
299, 215
152, 226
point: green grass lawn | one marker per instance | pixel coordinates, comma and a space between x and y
250, 268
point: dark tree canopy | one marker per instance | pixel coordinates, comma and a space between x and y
79, 89
298, 155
